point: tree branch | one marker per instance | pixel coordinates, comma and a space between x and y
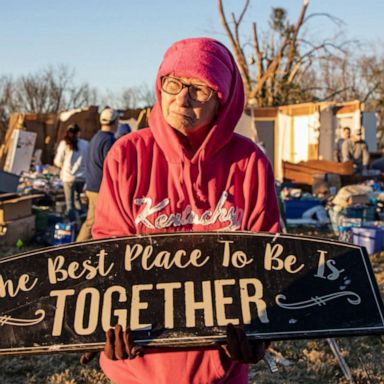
259, 54
239, 54
293, 40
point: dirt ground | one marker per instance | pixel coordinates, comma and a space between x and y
304, 361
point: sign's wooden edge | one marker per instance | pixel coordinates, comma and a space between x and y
188, 342
178, 234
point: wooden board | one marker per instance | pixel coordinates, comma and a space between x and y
183, 288
303, 172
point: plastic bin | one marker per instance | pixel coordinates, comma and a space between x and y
294, 209
365, 213
372, 238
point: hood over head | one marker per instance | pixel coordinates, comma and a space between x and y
208, 60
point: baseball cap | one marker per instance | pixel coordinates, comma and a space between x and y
108, 116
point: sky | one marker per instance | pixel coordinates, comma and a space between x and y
120, 43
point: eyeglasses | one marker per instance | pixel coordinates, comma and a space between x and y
197, 92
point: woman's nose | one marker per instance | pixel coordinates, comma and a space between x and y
182, 98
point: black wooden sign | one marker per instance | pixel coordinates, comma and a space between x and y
184, 288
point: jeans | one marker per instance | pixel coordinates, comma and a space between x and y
72, 191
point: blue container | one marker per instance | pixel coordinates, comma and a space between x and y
64, 233
294, 209
372, 238
39, 168
365, 213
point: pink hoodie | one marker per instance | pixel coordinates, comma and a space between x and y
150, 185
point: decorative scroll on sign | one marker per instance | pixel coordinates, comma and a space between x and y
184, 288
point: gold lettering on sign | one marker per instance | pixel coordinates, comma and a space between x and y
121, 314
75, 270
272, 259
138, 305
162, 259
256, 298
132, 253
93, 314
237, 259
8, 288
222, 301
215, 300
191, 305
330, 265
60, 306
168, 302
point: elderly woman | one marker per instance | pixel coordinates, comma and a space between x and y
188, 171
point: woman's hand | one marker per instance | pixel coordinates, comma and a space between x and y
119, 344
239, 348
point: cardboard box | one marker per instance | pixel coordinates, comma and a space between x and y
14, 206
23, 229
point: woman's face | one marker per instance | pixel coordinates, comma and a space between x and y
183, 111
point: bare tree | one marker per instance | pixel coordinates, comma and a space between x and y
80, 96
274, 69
372, 88
350, 77
50, 90
6, 99
372, 74
129, 98
147, 95
132, 97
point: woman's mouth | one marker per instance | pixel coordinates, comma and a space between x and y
182, 115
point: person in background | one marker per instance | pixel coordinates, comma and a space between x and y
122, 130
70, 157
188, 171
345, 136
99, 146
356, 150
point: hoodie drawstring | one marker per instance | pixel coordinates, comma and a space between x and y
198, 185
178, 177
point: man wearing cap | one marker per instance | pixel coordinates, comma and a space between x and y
356, 150
99, 146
